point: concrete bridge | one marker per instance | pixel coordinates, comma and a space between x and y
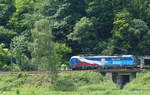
122, 76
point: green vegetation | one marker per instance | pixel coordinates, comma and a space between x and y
41, 35
72, 83
140, 83
67, 83
104, 27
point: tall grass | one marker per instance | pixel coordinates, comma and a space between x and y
76, 83
142, 82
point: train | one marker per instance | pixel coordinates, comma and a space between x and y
94, 62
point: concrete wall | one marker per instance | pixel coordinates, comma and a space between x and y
120, 78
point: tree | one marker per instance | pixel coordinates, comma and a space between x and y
43, 52
120, 32
6, 35
6, 10
102, 12
130, 36
62, 53
22, 7
5, 56
83, 35
18, 50
145, 13
24, 15
63, 14
138, 36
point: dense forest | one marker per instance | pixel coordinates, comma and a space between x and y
62, 28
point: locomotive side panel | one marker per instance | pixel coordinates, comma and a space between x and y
78, 62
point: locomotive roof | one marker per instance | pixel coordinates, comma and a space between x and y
102, 56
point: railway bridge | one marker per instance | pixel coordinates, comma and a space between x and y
119, 76
122, 76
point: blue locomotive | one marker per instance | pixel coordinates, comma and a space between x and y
85, 62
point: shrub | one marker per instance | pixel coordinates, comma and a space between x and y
141, 82
73, 81
64, 85
15, 67
83, 78
17, 92
22, 75
106, 85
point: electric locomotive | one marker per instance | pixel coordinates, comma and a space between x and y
93, 62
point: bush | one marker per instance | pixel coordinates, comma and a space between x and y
73, 81
82, 81
15, 67
83, 78
64, 85
106, 85
22, 75
141, 82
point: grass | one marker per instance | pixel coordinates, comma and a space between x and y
24, 91
79, 83
142, 82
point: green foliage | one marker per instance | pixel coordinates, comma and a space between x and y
4, 51
42, 48
102, 13
18, 49
84, 78
63, 15
140, 83
139, 37
24, 16
6, 35
62, 52
109, 49
79, 26
83, 34
22, 6
82, 30
15, 67
99, 87
22, 75
17, 92
121, 24
85, 26
82, 81
65, 82
119, 42
129, 35
25, 84
64, 85
146, 11
6, 11
5, 56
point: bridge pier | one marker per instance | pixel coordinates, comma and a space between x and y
120, 78
109, 76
